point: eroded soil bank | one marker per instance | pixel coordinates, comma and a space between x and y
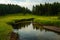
14, 36
52, 28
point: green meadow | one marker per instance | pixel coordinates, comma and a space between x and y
5, 29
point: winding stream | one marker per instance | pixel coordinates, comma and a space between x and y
29, 31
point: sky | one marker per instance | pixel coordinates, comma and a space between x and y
27, 3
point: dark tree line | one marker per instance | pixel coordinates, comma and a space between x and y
47, 9
12, 9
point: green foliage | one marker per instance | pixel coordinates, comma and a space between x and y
12, 9
49, 23
46, 9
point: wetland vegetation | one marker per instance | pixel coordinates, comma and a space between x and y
44, 15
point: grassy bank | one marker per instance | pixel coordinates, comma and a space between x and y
5, 28
50, 20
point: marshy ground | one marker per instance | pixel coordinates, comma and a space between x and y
5, 29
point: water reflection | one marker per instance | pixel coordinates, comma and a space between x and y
31, 31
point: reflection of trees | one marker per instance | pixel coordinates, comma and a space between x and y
47, 30
20, 25
23, 24
38, 26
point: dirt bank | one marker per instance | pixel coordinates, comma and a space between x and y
52, 28
14, 36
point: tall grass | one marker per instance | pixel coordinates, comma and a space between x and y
49, 20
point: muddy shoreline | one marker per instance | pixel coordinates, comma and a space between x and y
14, 36
52, 28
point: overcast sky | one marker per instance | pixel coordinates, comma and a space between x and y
27, 3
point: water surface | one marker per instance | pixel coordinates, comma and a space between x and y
28, 31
